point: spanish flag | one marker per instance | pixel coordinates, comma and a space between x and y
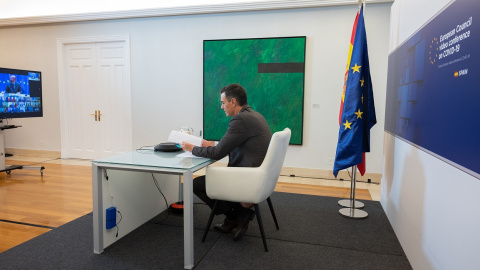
357, 109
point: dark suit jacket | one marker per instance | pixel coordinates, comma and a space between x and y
246, 141
13, 88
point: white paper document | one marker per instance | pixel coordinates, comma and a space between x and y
179, 137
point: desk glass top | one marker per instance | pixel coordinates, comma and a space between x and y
154, 159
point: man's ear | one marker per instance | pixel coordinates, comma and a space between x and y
234, 101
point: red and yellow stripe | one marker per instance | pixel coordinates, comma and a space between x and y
352, 39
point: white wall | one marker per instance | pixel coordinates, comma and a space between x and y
166, 61
432, 206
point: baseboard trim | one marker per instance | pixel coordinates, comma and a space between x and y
286, 171
33, 153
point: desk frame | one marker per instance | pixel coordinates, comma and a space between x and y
99, 211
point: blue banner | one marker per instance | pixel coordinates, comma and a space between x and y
433, 87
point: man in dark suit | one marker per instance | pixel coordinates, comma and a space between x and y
245, 142
13, 86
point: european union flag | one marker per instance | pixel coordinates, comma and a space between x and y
358, 115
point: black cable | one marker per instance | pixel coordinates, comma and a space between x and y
160, 190
332, 179
143, 150
116, 225
121, 216
41, 162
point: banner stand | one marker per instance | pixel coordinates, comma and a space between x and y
351, 209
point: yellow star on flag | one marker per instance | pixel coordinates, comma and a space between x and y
362, 81
347, 124
356, 68
359, 114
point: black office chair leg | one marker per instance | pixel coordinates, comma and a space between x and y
260, 224
210, 219
273, 212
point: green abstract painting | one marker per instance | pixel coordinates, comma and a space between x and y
271, 70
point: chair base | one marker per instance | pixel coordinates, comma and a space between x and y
259, 219
260, 225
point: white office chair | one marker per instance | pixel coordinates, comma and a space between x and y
249, 185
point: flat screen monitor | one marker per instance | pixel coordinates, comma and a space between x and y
20, 93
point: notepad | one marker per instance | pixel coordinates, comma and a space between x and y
179, 137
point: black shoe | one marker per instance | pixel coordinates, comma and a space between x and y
242, 223
226, 227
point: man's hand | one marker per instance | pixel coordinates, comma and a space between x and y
247, 205
187, 146
207, 143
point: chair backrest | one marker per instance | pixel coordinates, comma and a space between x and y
250, 184
273, 162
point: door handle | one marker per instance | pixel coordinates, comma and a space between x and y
95, 115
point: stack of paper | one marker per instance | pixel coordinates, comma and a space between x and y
179, 137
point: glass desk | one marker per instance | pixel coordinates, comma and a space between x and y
134, 201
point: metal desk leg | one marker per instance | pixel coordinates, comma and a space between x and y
188, 219
97, 209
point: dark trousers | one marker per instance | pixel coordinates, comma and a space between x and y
230, 209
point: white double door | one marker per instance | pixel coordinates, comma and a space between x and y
98, 100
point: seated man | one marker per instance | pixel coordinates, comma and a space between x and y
13, 86
246, 142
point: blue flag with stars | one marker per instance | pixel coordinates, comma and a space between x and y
358, 115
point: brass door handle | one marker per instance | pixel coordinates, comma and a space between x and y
95, 115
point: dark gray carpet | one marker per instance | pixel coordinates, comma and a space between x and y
312, 235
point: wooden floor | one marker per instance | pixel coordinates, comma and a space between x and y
31, 205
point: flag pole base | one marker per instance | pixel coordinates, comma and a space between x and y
353, 213
349, 204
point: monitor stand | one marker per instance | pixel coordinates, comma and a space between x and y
9, 169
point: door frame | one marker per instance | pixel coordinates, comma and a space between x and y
62, 87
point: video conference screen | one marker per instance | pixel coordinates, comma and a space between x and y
20, 93
433, 87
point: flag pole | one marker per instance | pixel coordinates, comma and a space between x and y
354, 141
352, 212
352, 203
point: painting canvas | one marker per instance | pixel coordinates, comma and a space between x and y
272, 71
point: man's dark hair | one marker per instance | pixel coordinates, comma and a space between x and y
236, 91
